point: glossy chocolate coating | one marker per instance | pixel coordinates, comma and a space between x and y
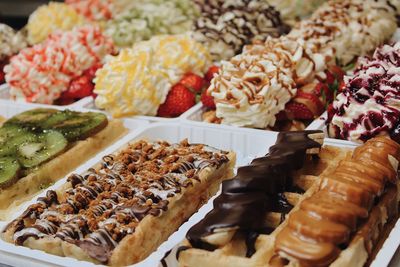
256, 190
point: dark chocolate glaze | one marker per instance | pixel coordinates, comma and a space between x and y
256, 190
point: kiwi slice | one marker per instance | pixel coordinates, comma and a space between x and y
9, 170
31, 119
76, 125
43, 148
9, 146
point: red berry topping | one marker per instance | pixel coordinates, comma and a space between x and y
298, 111
207, 100
179, 100
193, 82
210, 73
79, 88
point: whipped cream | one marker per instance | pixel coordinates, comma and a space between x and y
253, 87
49, 18
370, 102
350, 28
225, 26
143, 19
41, 73
294, 10
94, 10
137, 81
10, 41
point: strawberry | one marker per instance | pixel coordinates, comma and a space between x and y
211, 72
337, 72
207, 100
192, 82
311, 101
91, 72
2, 74
331, 112
79, 88
282, 116
2, 77
179, 100
330, 77
323, 92
342, 86
298, 111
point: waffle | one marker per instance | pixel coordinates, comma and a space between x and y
273, 239
80, 151
121, 210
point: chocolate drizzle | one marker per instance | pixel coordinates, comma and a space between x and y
104, 205
256, 190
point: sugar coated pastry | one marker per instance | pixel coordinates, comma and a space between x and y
48, 18
137, 81
41, 73
226, 26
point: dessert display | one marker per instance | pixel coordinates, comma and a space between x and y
49, 18
287, 209
284, 83
59, 70
142, 78
116, 206
11, 42
368, 105
39, 146
143, 19
225, 27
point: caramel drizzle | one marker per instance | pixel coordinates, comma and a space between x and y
325, 222
256, 190
105, 205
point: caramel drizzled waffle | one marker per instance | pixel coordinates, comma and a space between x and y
309, 228
121, 210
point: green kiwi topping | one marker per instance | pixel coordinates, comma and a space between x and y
31, 119
34, 137
9, 170
76, 125
45, 147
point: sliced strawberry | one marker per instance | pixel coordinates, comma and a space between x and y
179, 100
337, 72
331, 112
342, 86
79, 88
330, 77
91, 72
298, 111
323, 92
211, 72
207, 100
282, 116
2, 74
193, 82
311, 101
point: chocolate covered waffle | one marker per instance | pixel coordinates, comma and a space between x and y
330, 212
121, 210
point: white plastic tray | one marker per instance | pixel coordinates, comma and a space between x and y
5, 95
247, 143
194, 116
88, 103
